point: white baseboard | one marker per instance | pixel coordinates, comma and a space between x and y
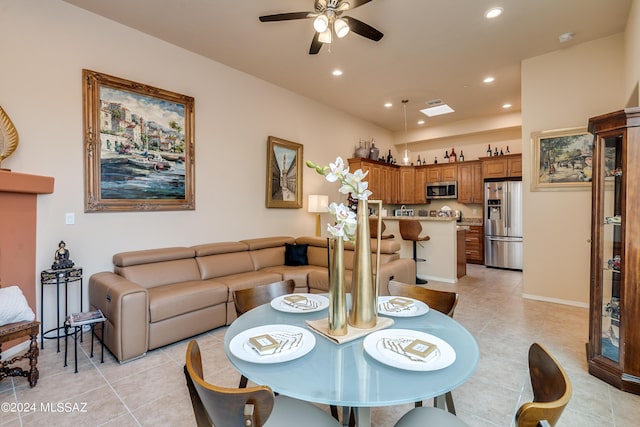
556, 300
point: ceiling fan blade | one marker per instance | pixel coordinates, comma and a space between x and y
287, 16
356, 3
365, 30
316, 44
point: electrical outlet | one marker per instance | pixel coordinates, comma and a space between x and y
69, 218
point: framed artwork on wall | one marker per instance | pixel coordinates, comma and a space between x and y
562, 159
284, 173
138, 146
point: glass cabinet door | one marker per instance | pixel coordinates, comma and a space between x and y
611, 246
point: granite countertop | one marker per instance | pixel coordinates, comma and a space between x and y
472, 221
419, 218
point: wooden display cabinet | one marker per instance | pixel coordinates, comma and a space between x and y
613, 351
507, 166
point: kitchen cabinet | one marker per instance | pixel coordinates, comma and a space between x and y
442, 173
420, 195
470, 182
474, 241
613, 352
461, 257
407, 175
382, 178
507, 166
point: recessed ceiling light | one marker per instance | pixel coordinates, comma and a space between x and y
337, 72
388, 105
507, 105
494, 12
437, 110
420, 122
489, 79
566, 37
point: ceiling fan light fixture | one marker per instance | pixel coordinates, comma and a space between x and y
321, 23
325, 36
341, 27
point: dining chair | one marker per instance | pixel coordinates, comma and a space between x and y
250, 298
252, 407
442, 301
551, 393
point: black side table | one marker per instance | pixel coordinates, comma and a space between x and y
58, 277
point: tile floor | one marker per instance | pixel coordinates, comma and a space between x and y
152, 392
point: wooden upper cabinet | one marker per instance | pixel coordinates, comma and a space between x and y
420, 194
470, 182
382, 178
407, 184
442, 173
506, 166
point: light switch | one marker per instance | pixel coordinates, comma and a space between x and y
69, 218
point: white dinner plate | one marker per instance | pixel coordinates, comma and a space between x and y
313, 303
240, 347
418, 308
373, 345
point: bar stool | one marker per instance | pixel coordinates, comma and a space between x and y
373, 227
410, 230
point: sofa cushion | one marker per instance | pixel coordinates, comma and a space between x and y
295, 254
179, 298
298, 274
248, 280
161, 273
125, 259
224, 264
319, 281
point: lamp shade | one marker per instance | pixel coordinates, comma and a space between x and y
321, 23
341, 27
318, 203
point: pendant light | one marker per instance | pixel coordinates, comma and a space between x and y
405, 154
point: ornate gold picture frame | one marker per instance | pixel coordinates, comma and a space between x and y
562, 159
138, 146
284, 173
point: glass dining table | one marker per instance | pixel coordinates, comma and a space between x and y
347, 375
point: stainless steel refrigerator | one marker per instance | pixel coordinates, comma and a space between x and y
503, 224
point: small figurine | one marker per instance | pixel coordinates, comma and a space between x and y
61, 258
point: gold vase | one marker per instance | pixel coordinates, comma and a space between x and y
364, 295
337, 292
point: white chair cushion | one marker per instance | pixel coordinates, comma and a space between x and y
289, 412
428, 416
14, 307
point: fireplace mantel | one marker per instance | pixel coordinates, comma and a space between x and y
18, 214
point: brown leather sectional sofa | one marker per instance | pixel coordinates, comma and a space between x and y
159, 296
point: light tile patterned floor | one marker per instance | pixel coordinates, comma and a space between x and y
152, 392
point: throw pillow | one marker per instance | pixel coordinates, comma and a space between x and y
14, 307
295, 254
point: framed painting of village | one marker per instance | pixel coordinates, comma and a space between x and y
138, 146
284, 173
562, 159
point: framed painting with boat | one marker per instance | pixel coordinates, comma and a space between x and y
138, 148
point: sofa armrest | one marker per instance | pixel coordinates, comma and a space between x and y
402, 270
125, 304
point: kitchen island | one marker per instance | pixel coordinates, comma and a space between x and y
440, 252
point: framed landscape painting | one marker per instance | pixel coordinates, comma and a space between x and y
562, 159
284, 173
138, 146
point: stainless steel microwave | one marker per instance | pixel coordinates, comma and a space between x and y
442, 190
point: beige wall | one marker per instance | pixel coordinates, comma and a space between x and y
632, 55
562, 90
45, 46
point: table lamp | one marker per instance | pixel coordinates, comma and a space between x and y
317, 205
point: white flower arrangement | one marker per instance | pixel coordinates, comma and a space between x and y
352, 183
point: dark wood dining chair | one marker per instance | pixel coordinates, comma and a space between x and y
442, 301
551, 393
250, 298
252, 407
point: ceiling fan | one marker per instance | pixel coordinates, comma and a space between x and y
329, 21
